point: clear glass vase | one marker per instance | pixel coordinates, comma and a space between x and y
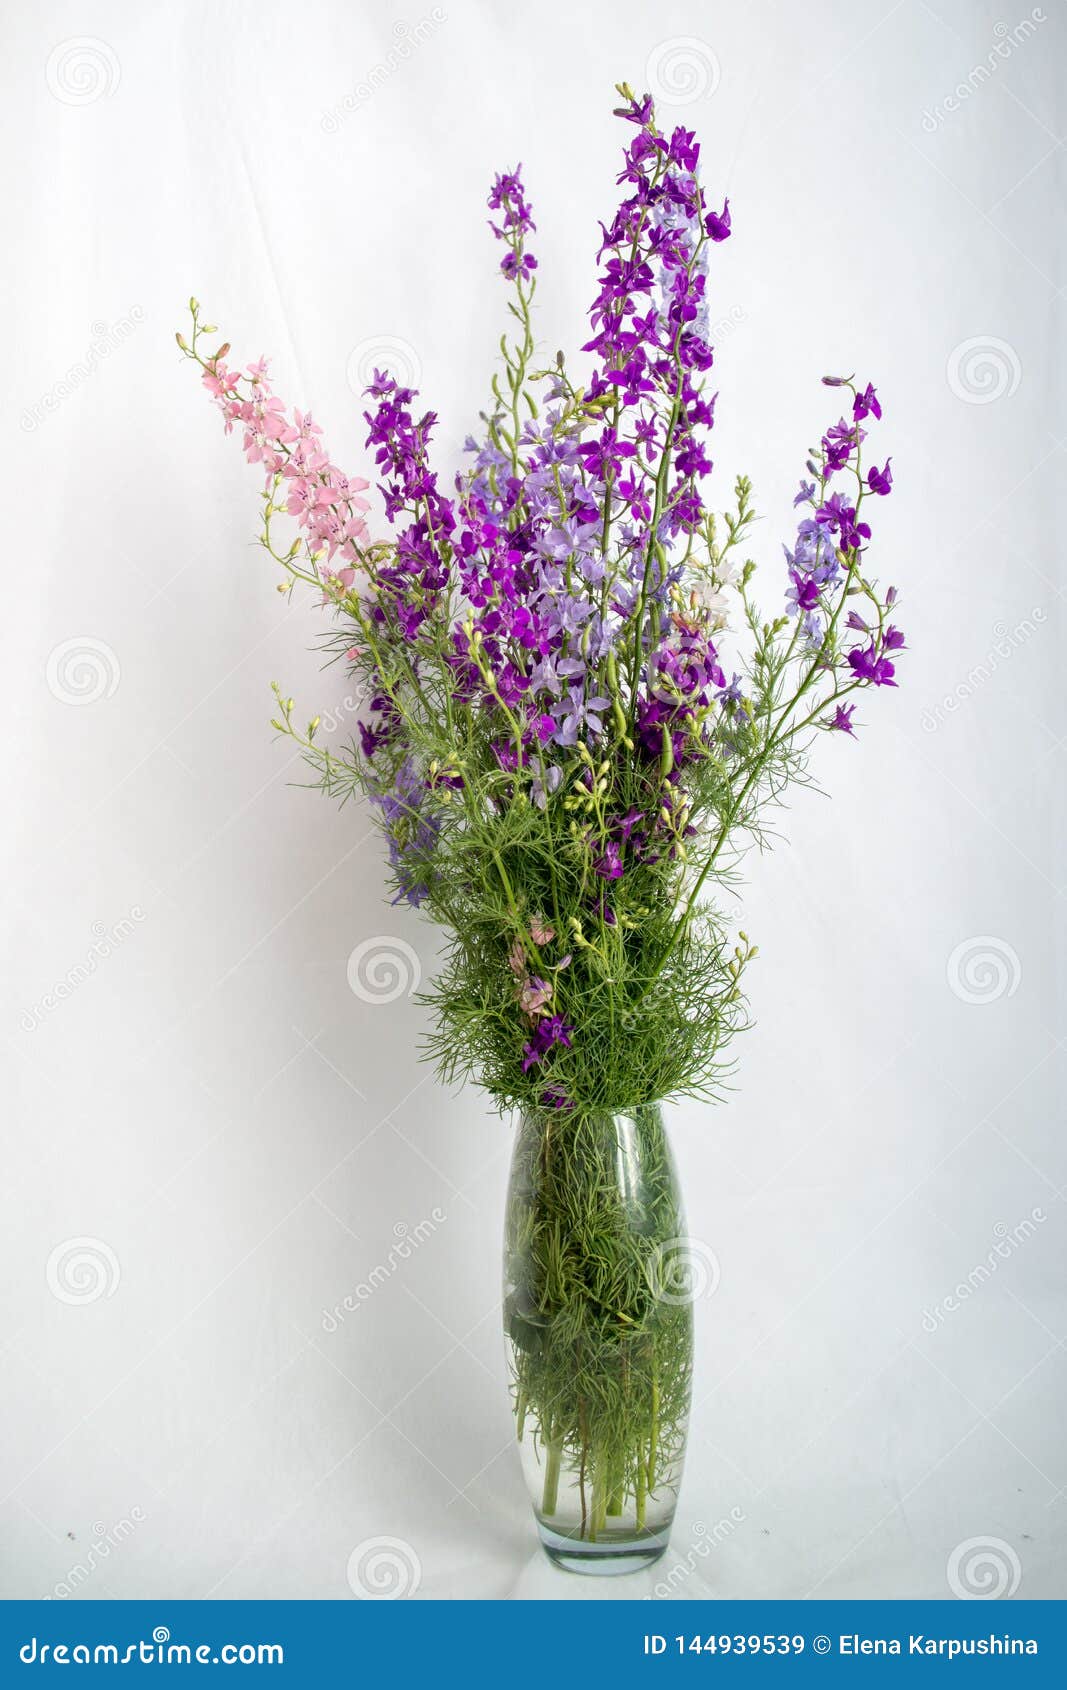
598, 1322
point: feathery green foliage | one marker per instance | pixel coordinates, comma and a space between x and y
601, 1356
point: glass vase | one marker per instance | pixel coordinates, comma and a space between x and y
598, 1323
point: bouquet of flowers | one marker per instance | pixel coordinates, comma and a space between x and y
564, 761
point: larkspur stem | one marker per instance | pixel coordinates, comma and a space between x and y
550, 1494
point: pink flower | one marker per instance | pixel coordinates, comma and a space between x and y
325, 502
540, 932
533, 995
219, 381
517, 958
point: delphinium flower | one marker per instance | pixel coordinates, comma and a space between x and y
327, 504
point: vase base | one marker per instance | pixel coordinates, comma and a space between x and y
607, 1557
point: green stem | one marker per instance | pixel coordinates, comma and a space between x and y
550, 1493
657, 511
584, 1462
616, 1496
639, 1489
600, 1501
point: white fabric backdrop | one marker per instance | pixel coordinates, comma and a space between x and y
192, 1087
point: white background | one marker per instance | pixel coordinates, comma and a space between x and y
240, 1137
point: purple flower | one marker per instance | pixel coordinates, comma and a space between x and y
507, 196
604, 456
511, 685
718, 225
542, 788
518, 266
866, 404
578, 712
506, 755
837, 454
609, 864
803, 594
370, 738
840, 518
567, 538
880, 480
732, 694
409, 830
554, 1097
869, 664
843, 431
382, 385
842, 719
550, 1030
